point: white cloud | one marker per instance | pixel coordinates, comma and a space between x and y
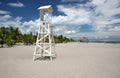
4, 12
7, 20
115, 29
105, 11
17, 4
5, 17
72, 17
66, 1
25, 27
71, 20
98, 2
0, 3
30, 26
70, 32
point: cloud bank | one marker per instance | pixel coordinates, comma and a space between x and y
25, 27
100, 17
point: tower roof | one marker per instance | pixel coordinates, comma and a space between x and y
44, 7
47, 8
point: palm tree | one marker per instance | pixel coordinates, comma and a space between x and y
29, 39
12, 36
10, 42
60, 37
3, 32
15, 34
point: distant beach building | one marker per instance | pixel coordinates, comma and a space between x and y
84, 39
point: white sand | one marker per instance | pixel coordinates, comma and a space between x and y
74, 60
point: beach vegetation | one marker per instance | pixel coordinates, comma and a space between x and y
62, 39
11, 35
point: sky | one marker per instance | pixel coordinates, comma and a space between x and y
94, 19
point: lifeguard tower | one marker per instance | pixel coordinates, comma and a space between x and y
45, 46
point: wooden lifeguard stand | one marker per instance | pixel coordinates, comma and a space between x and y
45, 46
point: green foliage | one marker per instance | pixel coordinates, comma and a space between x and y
28, 39
2, 36
62, 39
10, 42
11, 35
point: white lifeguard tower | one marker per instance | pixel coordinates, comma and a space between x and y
45, 45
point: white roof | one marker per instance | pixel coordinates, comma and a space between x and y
45, 7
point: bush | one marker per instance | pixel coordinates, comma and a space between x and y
10, 42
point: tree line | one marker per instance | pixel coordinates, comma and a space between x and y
9, 36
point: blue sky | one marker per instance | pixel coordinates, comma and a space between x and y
95, 19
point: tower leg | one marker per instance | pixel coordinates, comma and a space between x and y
34, 58
50, 58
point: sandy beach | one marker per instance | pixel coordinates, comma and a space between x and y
74, 60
